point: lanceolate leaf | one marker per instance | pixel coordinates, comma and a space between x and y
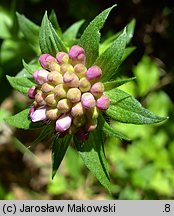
125, 108
71, 33
27, 67
30, 31
49, 40
130, 30
113, 84
92, 153
59, 148
22, 84
54, 21
91, 37
110, 60
22, 120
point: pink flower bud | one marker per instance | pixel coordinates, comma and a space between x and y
52, 114
62, 57
71, 79
60, 91
40, 76
50, 100
80, 70
55, 78
97, 89
93, 73
38, 114
103, 102
32, 92
77, 110
77, 54
74, 95
46, 61
84, 84
63, 123
64, 105
82, 134
88, 100
47, 88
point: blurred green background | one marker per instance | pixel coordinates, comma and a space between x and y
139, 169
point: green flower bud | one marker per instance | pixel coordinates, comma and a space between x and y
80, 70
84, 84
74, 95
92, 113
91, 125
66, 68
55, 78
60, 91
71, 80
79, 121
62, 57
77, 110
39, 98
50, 100
52, 114
64, 105
47, 88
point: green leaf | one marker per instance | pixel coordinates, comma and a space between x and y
30, 31
125, 108
71, 33
91, 37
27, 67
22, 120
110, 60
59, 148
110, 131
114, 84
6, 23
54, 21
127, 52
92, 153
130, 30
49, 40
21, 84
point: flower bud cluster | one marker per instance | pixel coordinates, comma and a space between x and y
68, 93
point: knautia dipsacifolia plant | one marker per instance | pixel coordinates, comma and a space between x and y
73, 87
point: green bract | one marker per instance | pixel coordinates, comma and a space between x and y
108, 56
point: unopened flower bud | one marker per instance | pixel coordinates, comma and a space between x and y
60, 91
80, 70
97, 89
55, 78
84, 84
93, 73
71, 79
103, 102
49, 62
82, 134
32, 92
47, 88
38, 114
52, 114
74, 95
77, 54
40, 76
63, 123
79, 121
39, 98
50, 100
62, 57
90, 126
88, 100
64, 105
92, 113
66, 68
77, 110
